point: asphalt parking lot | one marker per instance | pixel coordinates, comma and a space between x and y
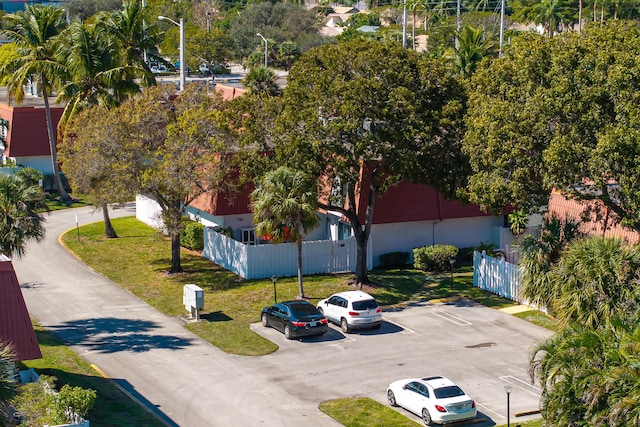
479, 348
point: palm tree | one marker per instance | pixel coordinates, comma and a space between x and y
34, 32
284, 206
473, 46
261, 81
19, 221
596, 281
590, 376
538, 253
7, 385
414, 6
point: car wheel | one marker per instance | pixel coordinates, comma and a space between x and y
426, 417
265, 322
345, 326
391, 398
287, 332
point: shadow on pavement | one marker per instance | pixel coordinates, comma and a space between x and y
130, 391
110, 335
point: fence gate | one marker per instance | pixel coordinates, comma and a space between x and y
340, 256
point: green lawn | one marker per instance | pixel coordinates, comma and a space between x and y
112, 408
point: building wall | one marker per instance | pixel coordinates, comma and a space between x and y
460, 232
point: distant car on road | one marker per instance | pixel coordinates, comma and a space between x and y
352, 310
157, 69
295, 319
436, 399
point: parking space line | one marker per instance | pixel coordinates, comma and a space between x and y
404, 329
487, 409
523, 385
452, 318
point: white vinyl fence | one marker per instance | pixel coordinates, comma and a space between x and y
281, 260
497, 276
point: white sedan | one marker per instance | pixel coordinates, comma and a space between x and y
436, 399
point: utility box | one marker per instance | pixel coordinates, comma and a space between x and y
193, 299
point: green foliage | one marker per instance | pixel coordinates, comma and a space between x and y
30, 176
434, 258
7, 384
489, 248
192, 235
394, 259
518, 221
39, 404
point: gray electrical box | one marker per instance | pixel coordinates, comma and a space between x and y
193, 299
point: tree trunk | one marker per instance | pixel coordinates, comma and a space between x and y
109, 231
173, 227
299, 246
52, 143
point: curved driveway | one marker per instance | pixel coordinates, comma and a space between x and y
195, 384
189, 381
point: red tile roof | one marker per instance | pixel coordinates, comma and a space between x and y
15, 324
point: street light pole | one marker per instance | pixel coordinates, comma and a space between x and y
182, 54
507, 390
266, 50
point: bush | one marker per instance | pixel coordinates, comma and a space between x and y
192, 236
30, 176
394, 259
434, 258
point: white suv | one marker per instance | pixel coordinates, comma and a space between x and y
352, 310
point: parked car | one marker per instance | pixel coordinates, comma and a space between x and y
352, 310
295, 319
157, 69
436, 399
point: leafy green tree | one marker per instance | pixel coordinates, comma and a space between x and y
558, 113
284, 207
551, 14
84, 9
19, 219
363, 125
590, 376
34, 32
212, 48
172, 151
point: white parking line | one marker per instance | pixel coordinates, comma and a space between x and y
487, 409
522, 385
405, 330
452, 318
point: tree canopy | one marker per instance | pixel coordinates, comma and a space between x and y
347, 112
559, 113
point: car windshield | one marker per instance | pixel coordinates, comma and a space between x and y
366, 304
450, 391
303, 310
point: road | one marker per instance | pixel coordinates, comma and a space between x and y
191, 383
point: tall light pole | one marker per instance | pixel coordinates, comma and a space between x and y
507, 389
266, 50
182, 55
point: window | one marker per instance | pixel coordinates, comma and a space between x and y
248, 236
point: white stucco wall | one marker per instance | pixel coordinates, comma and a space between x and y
461, 232
41, 163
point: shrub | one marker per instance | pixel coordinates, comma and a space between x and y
394, 259
434, 258
192, 235
30, 176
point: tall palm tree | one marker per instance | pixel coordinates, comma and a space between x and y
284, 206
34, 32
19, 221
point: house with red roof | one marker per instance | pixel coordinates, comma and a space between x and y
15, 323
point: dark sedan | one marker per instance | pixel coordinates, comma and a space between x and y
295, 319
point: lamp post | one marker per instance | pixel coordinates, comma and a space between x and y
507, 389
274, 279
266, 50
452, 261
182, 55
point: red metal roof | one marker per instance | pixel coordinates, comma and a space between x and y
222, 203
15, 324
27, 134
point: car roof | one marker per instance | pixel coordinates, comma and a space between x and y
295, 302
354, 295
437, 381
